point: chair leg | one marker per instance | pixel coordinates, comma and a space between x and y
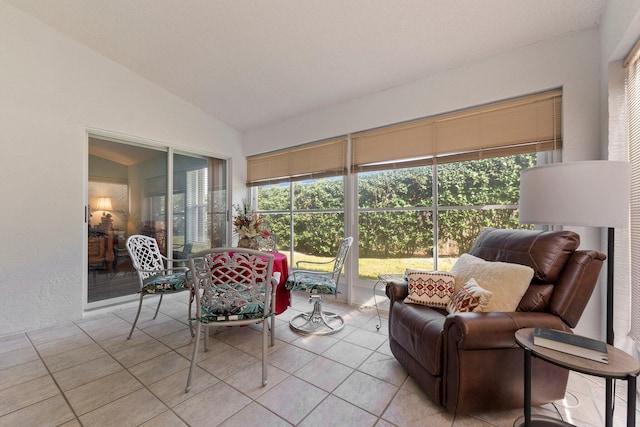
137, 315
273, 330
194, 357
273, 316
191, 298
158, 307
265, 327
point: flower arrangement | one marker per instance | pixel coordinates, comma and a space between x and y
248, 223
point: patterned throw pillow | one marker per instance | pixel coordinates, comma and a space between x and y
430, 288
470, 297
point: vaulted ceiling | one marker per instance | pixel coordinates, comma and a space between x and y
251, 63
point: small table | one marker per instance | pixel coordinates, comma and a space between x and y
383, 278
621, 366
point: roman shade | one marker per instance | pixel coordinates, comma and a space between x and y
314, 160
522, 125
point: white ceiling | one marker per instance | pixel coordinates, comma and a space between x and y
251, 63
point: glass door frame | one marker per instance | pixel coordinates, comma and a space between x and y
170, 151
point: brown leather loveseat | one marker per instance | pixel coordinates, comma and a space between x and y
470, 362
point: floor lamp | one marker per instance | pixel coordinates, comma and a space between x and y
587, 193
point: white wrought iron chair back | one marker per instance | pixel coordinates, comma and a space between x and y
268, 244
233, 286
226, 277
155, 274
318, 283
341, 257
145, 256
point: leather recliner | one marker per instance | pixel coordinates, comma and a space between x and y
470, 362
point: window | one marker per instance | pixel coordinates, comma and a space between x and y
301, 193
313, 209
274, 201
417, 193
403, 222
395, 220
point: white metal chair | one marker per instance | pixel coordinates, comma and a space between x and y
233, 286
317, 283
154, 275
268, 244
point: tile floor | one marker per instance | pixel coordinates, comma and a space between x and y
87, 374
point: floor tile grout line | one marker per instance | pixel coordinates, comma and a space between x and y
122, 366
593, 388
219, 379
64, 396
316, 354
353, 370
251, 400
145, 386
386, 407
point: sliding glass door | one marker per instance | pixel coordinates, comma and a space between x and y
179, 199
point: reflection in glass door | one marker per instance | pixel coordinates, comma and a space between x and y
199, 204
127, 194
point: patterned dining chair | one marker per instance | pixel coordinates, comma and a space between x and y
233, 287
318, 283
153, 274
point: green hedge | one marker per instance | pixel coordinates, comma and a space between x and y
402, 233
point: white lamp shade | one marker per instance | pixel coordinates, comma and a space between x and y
104, 204
590, 193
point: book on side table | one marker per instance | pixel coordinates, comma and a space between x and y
576, 345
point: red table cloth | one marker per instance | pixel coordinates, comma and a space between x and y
283, 295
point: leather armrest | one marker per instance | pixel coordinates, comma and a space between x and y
397, 290
494, 330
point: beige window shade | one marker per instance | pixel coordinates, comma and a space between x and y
533, 122
315, 160
397, 142
510, 150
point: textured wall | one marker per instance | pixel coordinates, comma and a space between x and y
53, 91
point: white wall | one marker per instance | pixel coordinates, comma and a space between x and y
570, 62
51, 91
620, 29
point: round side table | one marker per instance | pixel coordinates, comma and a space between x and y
383, 278
621, 366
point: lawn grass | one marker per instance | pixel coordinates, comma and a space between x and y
370, 268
